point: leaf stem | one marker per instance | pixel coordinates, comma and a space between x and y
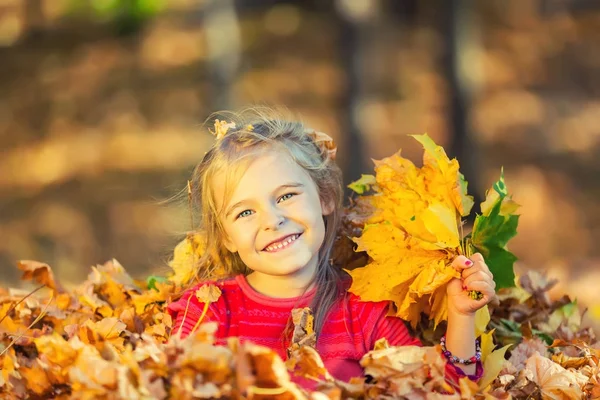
267, 391
35, 321
184, 314
20, 301
204, 310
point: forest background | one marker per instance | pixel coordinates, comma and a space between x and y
102, 104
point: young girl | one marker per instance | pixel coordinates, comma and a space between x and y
271, 196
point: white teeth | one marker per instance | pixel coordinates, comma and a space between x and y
282, 244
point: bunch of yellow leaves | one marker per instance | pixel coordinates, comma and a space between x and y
412, 232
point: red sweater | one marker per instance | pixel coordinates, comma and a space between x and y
349, 333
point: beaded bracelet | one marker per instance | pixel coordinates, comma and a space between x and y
455, 360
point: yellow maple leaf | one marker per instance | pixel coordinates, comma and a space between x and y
412, 235
492, 366
56, 350
36, 378
482, 319
208, 293
442, 173
185, 259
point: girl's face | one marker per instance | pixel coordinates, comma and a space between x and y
274, 219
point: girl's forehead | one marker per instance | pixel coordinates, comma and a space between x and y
267, 170
255, 176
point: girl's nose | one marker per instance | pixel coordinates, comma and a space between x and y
273, 220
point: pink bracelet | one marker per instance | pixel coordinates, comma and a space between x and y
455, 360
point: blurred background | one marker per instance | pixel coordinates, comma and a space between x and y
102, 102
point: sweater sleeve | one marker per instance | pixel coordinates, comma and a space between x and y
395, 331
377, 325
184, 321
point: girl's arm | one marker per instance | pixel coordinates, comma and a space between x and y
460, 334
460, 339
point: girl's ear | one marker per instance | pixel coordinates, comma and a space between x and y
327, 206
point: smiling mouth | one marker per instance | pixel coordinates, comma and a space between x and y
282, 244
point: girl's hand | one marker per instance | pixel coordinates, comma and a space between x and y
475, 275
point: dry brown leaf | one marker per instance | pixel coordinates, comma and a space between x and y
303, 334
554, 381
208, 293
39, 272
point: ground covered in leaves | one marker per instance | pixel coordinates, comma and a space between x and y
109, 338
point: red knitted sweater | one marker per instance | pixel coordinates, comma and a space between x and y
349, 333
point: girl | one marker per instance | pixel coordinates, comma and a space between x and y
271, 196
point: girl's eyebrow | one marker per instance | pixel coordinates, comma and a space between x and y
278, 188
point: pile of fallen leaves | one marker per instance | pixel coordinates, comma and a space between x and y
111, 336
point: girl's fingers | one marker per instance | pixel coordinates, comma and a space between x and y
479, 276
462, 263
478, 267
476, 261
480, 286
477, 257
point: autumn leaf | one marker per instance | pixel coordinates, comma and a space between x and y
413, 234
303, 334
482, 319
492, 231
36, 378
208, 294
363, 184
56, 350
492, 366
487, 344
554, 380
40, 273
402, 372
444, 173
306, 362
567, 315
105, 330
185, 259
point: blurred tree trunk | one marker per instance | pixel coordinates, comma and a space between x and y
223, 41
462, 73
34, 20
354, 25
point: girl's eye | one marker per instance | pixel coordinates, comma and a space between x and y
286, 196
244, 213
247, 213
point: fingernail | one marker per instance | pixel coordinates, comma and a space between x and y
468, 263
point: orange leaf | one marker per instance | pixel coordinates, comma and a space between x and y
208, 294
40, 273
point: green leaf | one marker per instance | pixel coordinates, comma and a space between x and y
543, 336
152, 279
492, 231
500, 261
363, 184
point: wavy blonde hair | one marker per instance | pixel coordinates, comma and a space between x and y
257, 131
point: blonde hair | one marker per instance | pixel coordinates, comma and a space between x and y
257, 131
